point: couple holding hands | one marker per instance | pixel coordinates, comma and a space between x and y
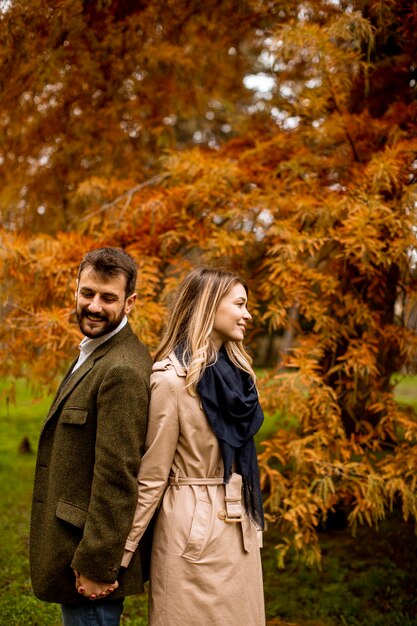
152, 466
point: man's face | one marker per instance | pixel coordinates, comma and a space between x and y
101, 303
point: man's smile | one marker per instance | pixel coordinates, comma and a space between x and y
93, 317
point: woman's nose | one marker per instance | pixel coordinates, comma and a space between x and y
247, 315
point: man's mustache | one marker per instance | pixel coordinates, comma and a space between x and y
96, 317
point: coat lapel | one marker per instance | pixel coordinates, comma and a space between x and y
70, 381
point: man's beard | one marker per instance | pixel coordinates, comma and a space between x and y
107, 327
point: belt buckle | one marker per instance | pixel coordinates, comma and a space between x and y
233, 520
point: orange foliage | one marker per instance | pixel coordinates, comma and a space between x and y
152, 142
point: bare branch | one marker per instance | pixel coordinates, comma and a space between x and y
127, 194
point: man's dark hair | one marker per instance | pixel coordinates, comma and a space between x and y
110, 262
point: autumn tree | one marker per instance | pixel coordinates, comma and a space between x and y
95, 90
276, 137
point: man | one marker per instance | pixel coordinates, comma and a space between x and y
85, 488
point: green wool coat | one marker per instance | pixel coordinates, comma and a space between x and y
85, 489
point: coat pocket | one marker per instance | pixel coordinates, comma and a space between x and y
201, 525
74, 415
71, 513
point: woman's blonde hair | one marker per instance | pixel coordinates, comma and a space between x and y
191, 322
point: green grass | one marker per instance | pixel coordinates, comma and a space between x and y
370, 580
406, 389
18, 606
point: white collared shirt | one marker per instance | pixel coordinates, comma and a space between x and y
87, 345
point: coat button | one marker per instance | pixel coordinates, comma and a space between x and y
217, 471
221, 515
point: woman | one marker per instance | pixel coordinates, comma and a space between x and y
201, 458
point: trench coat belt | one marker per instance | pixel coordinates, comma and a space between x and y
233, 499
233, 493
177, 481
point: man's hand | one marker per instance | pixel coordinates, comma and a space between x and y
93, 589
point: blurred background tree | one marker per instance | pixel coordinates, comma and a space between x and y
278, 138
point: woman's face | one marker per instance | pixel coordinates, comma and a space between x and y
231, 317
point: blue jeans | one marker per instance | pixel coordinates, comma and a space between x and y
95, 613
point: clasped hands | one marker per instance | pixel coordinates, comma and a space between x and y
92, 589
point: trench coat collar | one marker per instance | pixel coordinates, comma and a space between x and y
170, 361
180, 369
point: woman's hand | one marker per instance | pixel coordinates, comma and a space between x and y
92, 589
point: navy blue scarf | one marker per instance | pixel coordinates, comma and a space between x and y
230, 402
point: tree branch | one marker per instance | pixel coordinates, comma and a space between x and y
127, 194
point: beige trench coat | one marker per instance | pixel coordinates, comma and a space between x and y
205, 569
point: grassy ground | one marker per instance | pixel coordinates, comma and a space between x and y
17, 604
370, 580
406, 390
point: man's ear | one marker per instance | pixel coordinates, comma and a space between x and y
130, 301
76, 289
